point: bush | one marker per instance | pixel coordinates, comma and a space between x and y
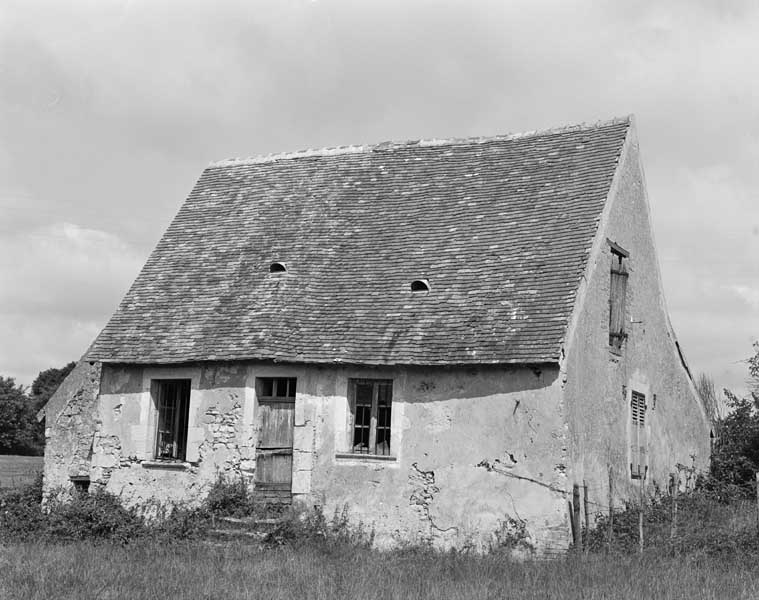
100, 516
302, 527
705, 525
231, 499
97, 516
20, 515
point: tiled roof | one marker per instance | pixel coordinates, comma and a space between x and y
501, 227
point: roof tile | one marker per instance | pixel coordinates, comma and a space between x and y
501, 227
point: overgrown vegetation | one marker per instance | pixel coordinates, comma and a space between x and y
708, 550
307, 555
100, 517
702, 525
735, 451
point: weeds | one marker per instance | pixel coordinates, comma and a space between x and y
706, 525
100, 516
302, 527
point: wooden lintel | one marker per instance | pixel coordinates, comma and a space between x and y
617, 249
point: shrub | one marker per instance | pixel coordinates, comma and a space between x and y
230, 499
311, 526
100, 516
512, 536
97, 516
705, 525
20, 514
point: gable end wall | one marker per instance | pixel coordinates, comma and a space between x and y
599, 382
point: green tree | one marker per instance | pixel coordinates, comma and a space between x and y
47, 382
735, 455
753, 369
708, 394
18, 431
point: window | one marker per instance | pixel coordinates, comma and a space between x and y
172, 400
81, 485
617, 295
371, 401
276, 388
638, 441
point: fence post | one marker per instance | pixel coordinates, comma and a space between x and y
675, 483
576, 517
640, 519
757, 499
587, 514
611, 508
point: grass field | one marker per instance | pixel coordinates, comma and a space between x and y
16, 471
198, 571
714, 555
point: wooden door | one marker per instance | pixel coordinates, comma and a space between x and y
274, 448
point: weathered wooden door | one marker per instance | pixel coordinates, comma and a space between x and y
274, 448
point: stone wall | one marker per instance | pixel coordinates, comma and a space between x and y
70, 425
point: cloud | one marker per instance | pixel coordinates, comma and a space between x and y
58, 286
748, 293
111, 110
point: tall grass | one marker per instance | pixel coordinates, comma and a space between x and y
196, 570
93, 548
17, 471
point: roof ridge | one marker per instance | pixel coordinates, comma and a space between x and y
360, 148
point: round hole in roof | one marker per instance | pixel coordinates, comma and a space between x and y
277, 267
420, 285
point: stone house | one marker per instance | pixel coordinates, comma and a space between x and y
442, 336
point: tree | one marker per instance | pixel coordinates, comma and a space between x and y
753, 369
735, 456
708, 394
18, 433
47, 382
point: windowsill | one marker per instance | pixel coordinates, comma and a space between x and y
366, 457
174, 465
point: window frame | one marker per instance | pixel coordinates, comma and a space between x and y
180, 425
374, 426
291, 385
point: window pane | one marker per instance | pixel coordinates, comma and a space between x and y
165, 437
291, 387
266, 386
361, 428
364, 394
383, 429
183, 414
173, 404
280, 387
384, 393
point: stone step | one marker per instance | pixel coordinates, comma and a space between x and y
251, 521
239, 533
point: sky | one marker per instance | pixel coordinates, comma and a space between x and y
110, 110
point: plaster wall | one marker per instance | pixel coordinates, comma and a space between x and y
476, 454
477, 451
599, 380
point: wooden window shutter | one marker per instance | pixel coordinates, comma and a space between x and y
638, 436
617, 295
